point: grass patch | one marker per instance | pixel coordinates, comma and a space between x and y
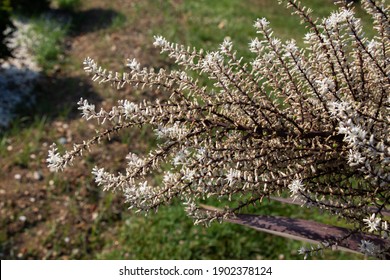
118, 21
46, 37
69, 5
170, 234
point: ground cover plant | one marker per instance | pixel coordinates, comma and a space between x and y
310, 122
51, 216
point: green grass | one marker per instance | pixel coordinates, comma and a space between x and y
22, 129
47, 36
170, 234
70, 5
204, 24
118, 21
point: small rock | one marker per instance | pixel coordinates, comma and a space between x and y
37, 175
62, 140
94, 215
10, 148
66, 239
22, 218
18, 177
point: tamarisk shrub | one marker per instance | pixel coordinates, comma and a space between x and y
311, 123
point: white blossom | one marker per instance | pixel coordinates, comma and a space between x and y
188, 174
212, 61
261, 23
180, 158
325, 85
296, 186
129, 108
232, 176
368, 248
355, 158
255, 45
291, 46
134, 160
133, 64
54, 160
373, 223
100, 175
226, 45
160, 41
143, 187
88, 110
175, 131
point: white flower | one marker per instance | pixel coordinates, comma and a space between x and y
261, 23
355, 157
211, 61
134, 160
90, 65
269, 57
88, 110
160, 41
291, 46
373, 223
133, 64
337, 17
304, 251
189, 174
54, 159
175, 131
295, 187
368, 248
179, 159
232, 175
309, 37
129, 108
354, 134
254, 45
99, 174
143, 187
226, 45
325, 85
276, 43
339, 109
201, 153
169, 178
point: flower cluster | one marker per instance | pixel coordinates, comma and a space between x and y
311, 122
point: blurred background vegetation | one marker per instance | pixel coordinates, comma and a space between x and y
66, 216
